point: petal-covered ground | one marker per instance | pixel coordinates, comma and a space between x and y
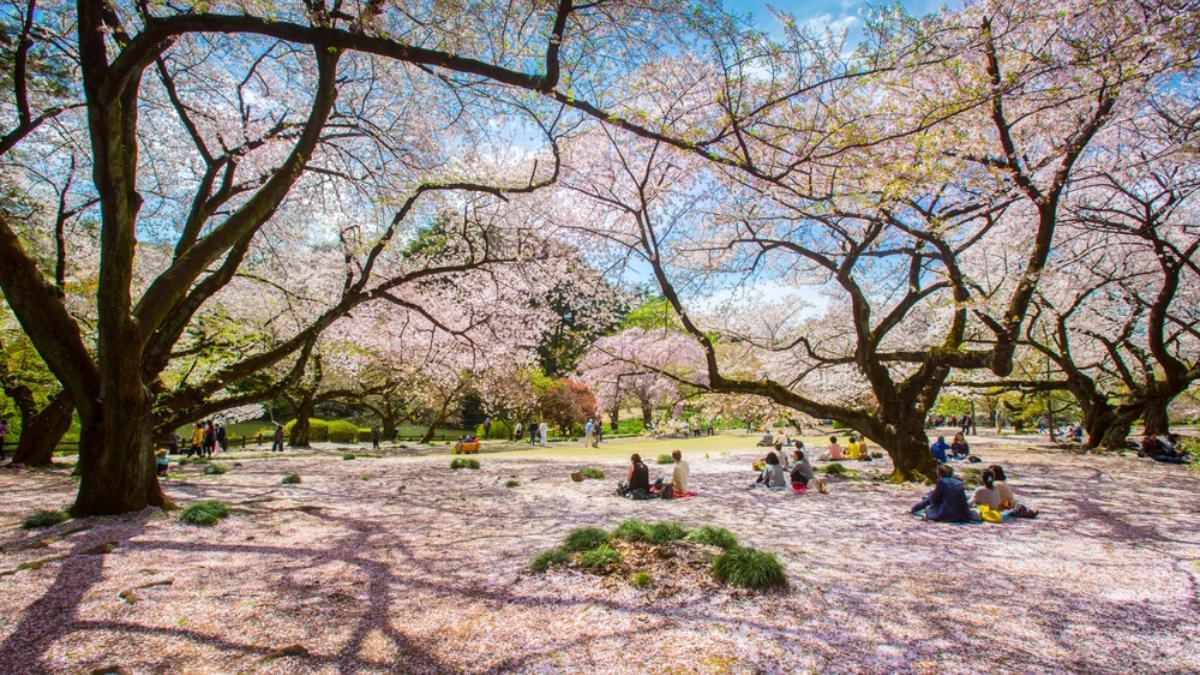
366, 576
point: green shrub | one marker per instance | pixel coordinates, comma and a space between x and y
348, 455
214, 469
661, 533
710, 535
749, 568
641, 580
318, 430
633, 529
836, 469
464, 463
341, 431
600, 557
291, 479
206, 512
511, 483
665, 459
547, 559
43, 518
500, 429
584, 538
591, 472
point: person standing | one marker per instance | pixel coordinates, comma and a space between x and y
220, 437
588, 432
3, 436
173, 443
210, 438
533, 431
487, 428
516, 432
375, 437
542, 429
277, 445
197, 444
599, 432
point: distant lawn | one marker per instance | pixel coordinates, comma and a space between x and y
649, 448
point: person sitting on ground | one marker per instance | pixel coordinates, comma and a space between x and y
1155, 449
638, 477
680, 474
939, 449
852, 448
1008, 501
162, 463
959, 449
802, 474
835, 451
772, 475
947, 502
987, 493
767, 440
1077, 433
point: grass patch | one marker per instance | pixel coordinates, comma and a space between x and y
547, 559
462, 463
710, 535
641, 580
836, 469
591, 472
291, 479
44, 518
665, 459
215, 469
662, 533
348, 455
749, 568
600, 557
511, 483
206, 512
584, 538
633, 529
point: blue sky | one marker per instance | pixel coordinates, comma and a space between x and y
836, 13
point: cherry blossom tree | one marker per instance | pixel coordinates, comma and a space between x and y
639, 367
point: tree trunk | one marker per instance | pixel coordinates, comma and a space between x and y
116, 460
1154, 416
907, 444
41, 432
614, 417
428, 436
299, 435
388, 422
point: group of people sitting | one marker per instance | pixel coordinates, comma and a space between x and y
993, 500
637, 481
956, 450
778, 474
856, 449
1166, 449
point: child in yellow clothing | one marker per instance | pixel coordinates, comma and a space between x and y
853, 449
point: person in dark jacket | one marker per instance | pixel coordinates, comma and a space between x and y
220, 437
376, 436
939, 448
210, 438
948, 501
277, 445
1155, 449
639, 474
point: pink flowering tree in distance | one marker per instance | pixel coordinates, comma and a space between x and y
640, 367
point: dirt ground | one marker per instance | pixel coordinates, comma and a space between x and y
399, 564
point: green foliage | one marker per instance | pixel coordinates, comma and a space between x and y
600, 557
500, 429
664, 532
511, 483
653, 313
584, 538
349, 455
749, 568
215, 469
318, 429
341, 431
591, 472
952, 406
43, 518
711, 535
547, 559
206, 512
633, 529
464, 463
838, 425
836, 469
665, 459
641, 579
291, 479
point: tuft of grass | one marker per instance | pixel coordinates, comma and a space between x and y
365, 477
511, 483
44, 518
633, 529
591, 472
291, 479
836, 469
662, 533
641, 580
348, 455
214, 469
665, 459
584, 538
547, 559
206, 512
749, 568
463, 463
600, 557
710, 535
